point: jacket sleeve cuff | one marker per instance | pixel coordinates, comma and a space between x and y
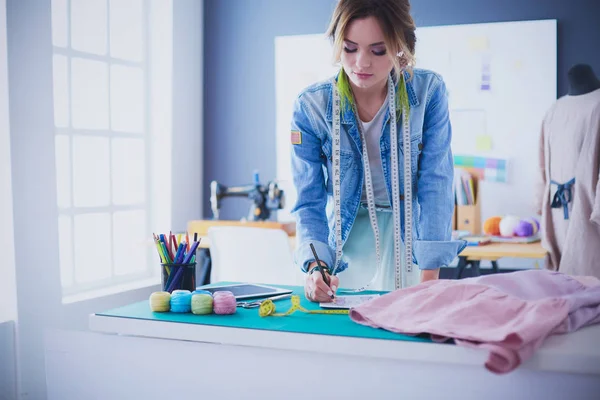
303, 256
436, 254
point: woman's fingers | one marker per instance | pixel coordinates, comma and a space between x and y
315, 288
320, 296
335, 283
324, 292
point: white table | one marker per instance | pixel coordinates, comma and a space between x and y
126, 358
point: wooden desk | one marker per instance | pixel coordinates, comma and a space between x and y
472, 255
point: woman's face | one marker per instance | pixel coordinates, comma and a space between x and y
364, 57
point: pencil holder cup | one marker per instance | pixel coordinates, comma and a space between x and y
178, 277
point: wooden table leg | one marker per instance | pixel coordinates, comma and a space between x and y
495, 266
462, 264
475, 267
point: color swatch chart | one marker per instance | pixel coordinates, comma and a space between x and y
489, 169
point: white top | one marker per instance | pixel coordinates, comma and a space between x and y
372, 131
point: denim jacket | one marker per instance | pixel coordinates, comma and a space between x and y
432, 172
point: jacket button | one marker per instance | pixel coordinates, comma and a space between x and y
420, 146
401, 197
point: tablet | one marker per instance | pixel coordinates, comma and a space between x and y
246, 290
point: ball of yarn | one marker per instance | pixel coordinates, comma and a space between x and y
181, 301
202, 292
160, 301
508, 225
527, 227
535, 224
523, 229
224, 302
202, 304
491, 226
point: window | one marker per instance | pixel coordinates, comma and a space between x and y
112, 112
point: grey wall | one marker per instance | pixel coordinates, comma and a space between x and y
239, 90
239, 123
187, 112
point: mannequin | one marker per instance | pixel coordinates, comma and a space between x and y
569, 177
582, 80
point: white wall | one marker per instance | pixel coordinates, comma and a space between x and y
8, 297
8, 311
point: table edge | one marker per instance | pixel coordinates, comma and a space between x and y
551, 357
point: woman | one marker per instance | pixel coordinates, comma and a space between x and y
351, 191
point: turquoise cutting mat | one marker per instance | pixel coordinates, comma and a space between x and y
298, 322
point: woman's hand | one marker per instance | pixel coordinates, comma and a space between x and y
315, 288
430, 275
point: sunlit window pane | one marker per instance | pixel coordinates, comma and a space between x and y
126, 29
60, 23
89, 26
128, 171
63, 170
127, 99
89, 87
93, 252
91, 171
131, 242
60, 75
65, 250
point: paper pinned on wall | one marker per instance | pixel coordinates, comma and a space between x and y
518, 64
486, 74
483, 143
479, 43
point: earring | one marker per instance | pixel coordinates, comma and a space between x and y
400, 54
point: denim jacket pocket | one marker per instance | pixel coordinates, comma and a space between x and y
347, 167
416, 148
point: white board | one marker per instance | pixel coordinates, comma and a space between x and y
501, 79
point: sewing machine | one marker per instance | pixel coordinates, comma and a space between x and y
265, 198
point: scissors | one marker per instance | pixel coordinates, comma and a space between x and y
257, 303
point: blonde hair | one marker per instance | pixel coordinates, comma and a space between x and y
398, 30
394, 19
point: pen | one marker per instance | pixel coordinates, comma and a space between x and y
325, 276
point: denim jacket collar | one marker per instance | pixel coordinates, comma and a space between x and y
348, 115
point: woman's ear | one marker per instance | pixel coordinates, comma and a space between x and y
402, 62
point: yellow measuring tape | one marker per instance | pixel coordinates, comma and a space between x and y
267, 309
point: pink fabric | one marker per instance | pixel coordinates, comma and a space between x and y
508, 314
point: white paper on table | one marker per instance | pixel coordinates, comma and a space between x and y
346, 302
